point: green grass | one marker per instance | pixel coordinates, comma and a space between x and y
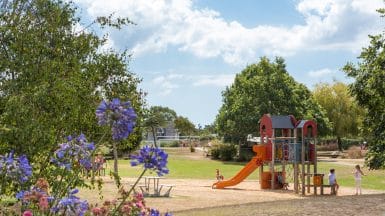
182, 165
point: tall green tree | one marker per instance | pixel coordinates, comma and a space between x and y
369, 90
265, 87
53, 77
184, 126
157, 117
341, 108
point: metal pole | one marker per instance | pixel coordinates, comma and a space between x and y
272, 159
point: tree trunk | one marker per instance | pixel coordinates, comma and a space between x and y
154, 136
339, 143
115, 150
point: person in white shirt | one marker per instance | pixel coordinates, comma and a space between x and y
333, 182
357, 177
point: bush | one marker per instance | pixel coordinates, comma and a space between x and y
227, 152
347, 143
355, 152
215, 154
172, 144
223, 152
245, 154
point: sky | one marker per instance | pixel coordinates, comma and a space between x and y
188, 51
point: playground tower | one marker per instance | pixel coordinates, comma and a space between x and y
287, 147
288, 142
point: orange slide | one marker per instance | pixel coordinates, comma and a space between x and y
255, 162
241, 175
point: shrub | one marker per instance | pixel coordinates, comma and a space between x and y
215, 154
222, 151
227, 152
172, 144
245, 154
355, 152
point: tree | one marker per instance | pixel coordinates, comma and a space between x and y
265, 87
156, 117
53, 77
184, 126
369, 90
341, 109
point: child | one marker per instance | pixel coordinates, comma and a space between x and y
219, 176
281, 181
357, 177
333, 182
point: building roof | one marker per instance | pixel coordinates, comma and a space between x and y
301, 123
281, 122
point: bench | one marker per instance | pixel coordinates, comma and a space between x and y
332, 154
168, 189
143, 189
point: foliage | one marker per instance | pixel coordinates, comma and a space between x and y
225, 152
341, 109
245, 154
170, 144
369, 90
70, 164
52, 75
184, 126
156, 117
265, 87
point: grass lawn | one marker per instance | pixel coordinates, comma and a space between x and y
186, 165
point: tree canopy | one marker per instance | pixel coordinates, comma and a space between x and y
53, 76
341, 108
184, 126
369, 90
265, 87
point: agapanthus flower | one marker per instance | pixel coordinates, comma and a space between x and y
120, 116
16, 169
71, 205
74, 150
35, 196
152, 158
154, 212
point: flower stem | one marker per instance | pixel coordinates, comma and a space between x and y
128, 193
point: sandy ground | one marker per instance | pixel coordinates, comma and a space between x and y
189, 196
196, 197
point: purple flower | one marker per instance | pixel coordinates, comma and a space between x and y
121, 117
154, 212
14, 168
71, 205
151, 158
75, 150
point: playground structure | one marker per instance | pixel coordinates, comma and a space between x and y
287, 147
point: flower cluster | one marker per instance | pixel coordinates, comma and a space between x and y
71, 205
37, 196
15, 169
121, 117
152, 158
75, 150
135, 206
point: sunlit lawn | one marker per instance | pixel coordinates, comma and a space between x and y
181, 165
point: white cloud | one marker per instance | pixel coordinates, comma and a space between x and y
166, 84
321, 73
328, 25
214, 80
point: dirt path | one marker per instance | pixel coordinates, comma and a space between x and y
190, 195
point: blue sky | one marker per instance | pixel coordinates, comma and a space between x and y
188, 51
